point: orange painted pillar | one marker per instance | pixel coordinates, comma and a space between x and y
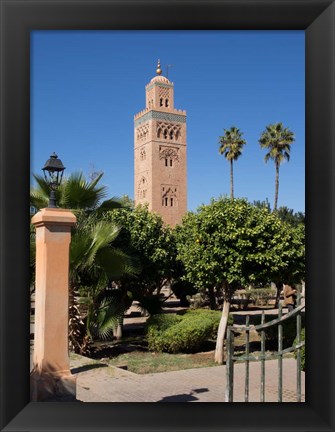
51, 376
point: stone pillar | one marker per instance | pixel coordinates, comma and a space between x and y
51, 376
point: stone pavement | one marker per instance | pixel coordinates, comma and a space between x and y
98, 382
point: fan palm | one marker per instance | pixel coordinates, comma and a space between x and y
277, 139
231, 145
95, 262
93, 259
75, 193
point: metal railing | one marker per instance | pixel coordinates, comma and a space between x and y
247, 358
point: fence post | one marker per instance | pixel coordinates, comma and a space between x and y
263, 360
280, 356
230, 365
247, 342
298, 350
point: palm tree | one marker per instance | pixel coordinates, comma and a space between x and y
75, 193
231, 144
94, 262
277, 140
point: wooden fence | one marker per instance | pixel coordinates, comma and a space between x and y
247, 358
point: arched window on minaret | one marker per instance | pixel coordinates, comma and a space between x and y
171, 134
159, 132
165, 134
161, 102
169, 198
166, 102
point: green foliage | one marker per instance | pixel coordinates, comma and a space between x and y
235, 242
104, 311
277, 140
262, 204
289, 329
144, 235
302, 350
231, 143
75, 193
94, 259
182, 333
289, 216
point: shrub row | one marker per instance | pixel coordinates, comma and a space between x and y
185, 333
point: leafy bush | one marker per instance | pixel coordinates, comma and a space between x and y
183, 333
302, 350
289, 329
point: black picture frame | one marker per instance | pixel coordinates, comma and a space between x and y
18, 18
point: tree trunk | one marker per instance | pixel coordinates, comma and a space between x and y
276, 187
219, 352
231, 180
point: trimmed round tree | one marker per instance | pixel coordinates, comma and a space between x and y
230, 244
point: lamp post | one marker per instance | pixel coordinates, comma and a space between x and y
51, 378
53, 171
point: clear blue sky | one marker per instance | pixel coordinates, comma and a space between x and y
86, 87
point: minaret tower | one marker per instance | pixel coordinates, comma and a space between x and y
160, 152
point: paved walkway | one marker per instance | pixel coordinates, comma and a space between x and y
97, 382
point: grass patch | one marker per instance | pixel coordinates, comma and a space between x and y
148, 362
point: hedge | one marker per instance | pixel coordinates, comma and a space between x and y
185, 333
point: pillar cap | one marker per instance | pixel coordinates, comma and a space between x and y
54, 216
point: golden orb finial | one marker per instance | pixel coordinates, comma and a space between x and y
159, 70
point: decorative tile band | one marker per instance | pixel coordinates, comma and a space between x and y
159, 84
158, 115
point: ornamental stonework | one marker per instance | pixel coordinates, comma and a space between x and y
142, 189
168, 153
168, 131
142, 132
169, 196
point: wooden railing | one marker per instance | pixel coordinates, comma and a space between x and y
247, 358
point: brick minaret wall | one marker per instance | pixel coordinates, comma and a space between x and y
160, 153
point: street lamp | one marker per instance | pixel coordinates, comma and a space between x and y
53, 173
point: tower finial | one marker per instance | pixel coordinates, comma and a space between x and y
158, 70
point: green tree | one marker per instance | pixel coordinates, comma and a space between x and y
75, 193
289, 216
262, 204
231, 145
145, 236
231, 244
277, 139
